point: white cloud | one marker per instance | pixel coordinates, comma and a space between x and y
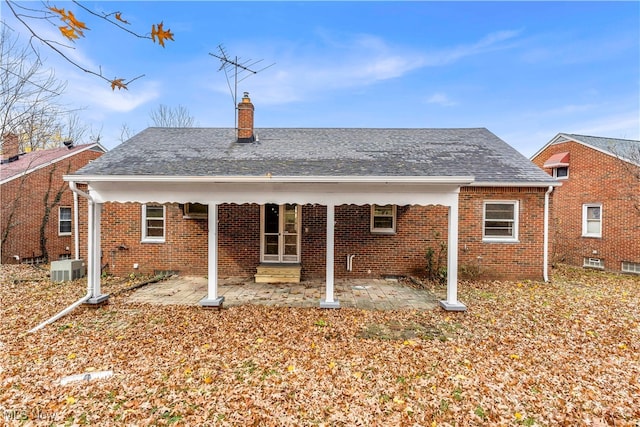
440, 99
349, 61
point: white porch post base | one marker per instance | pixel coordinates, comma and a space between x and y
329, 304
452, 303
93, 252
212, 299
456, 306
329, 300
206, 302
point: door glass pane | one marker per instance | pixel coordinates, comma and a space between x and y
271, 245
290, 218
291, 244
271, 218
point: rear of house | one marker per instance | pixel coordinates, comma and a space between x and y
596, 212
394, 197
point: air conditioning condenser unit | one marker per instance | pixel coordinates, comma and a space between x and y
67, 269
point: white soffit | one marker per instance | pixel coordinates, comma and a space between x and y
400, 193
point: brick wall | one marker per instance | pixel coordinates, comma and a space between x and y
23, 206
501, 260
402, 253
594, 177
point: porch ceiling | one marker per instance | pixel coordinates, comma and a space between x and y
260, 190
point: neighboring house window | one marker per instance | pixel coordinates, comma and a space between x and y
592, 220
64, 221
561, 172
383, 219
631, 267
153, 221
559, 163
593, 263
500, 221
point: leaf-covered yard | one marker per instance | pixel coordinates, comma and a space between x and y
564, 353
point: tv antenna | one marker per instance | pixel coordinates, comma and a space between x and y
238, 71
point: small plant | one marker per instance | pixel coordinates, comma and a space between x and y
436, 268
320, 323
480, 412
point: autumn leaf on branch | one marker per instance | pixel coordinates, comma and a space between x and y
118, 83
161, 34
68, 32
74, 28
120, 18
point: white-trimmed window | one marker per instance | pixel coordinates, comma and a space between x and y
64, 221
631, 267
593, 263
500, 222
592, 220
383, 219
153, 223
561, 172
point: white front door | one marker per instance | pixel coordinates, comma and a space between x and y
280, 235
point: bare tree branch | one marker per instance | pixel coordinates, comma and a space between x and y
168, 117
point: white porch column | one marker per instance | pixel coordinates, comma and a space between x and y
212, 299
329, 301
452, 303
93, 254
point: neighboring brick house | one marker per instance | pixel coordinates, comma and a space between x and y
596, 212
37, 213
282, 204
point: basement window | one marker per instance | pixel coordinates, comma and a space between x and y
631, 267
153, 224
383, 219
593, 263
64, 221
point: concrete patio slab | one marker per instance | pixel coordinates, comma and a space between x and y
367, 294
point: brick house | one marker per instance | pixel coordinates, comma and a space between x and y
39, 210
285, 204
595, 221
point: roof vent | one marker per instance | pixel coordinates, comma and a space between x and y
68, 143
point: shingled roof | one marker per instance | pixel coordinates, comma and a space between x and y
34, 160
201, 152
626, 149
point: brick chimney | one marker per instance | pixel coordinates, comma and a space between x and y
245, 120
10, 147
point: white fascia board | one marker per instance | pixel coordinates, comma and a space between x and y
447, 180
515, 184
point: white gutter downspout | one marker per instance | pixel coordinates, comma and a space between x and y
76, 219
545, 255
76, 191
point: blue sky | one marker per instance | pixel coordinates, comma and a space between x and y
524, 70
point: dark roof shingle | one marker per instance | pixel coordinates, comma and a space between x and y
320, 152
